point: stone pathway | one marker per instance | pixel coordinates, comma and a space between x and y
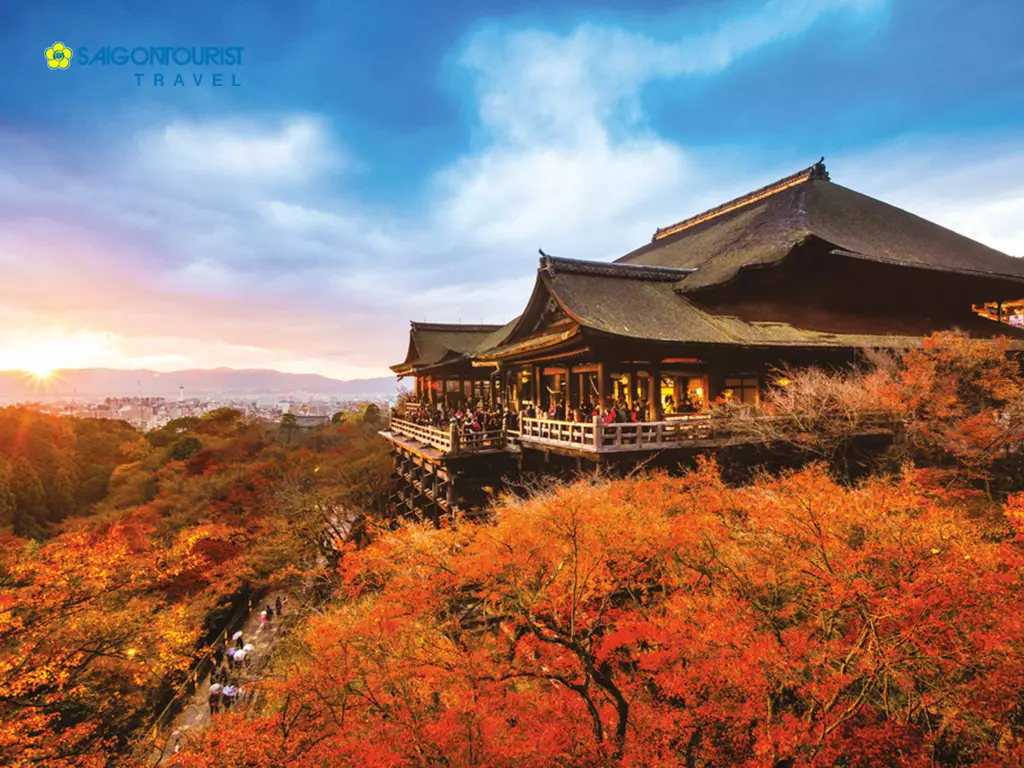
196, 714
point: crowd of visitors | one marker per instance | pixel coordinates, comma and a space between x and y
613, 412
232, 662
481, 418
469, 418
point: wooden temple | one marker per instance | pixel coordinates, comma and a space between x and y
802, 271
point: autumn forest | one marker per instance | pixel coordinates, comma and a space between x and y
859, 606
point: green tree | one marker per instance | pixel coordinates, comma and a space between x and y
185, 448
223, 421
289, 424
7, 501
371, 415
29, 500
172, 430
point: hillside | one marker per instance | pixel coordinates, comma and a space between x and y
15, 386
145, 547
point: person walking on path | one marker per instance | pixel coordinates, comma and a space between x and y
270, 613
214, 699
263, 619
277, 605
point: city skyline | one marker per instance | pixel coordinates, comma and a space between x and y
371, 166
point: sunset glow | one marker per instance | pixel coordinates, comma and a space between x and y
40, 374
40, 354
264, 225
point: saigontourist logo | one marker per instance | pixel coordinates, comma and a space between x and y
58, 56
162, 65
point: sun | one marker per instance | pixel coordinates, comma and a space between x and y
41, 355
40, 372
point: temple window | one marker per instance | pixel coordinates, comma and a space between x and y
741, 389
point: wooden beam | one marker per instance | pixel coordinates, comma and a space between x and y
654, 393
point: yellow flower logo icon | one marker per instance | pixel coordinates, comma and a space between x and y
58, 56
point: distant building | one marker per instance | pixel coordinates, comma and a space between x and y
309, 421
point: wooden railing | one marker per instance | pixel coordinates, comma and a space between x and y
583, 436
593, 436
452, 440
487, 440
559, 433
609, 438
432, 436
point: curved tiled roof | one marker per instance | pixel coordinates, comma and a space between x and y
762, 228
644, 294
654, 311
433, 343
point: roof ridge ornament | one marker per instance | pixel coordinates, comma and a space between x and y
815, 172
818, 170
546, 262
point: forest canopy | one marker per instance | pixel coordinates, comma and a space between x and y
126, 554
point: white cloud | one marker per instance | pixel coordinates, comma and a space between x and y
541, 86
570, 165
231, 248
239, 151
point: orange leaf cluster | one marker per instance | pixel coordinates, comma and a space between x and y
659, 621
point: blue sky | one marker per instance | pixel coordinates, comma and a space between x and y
394, 160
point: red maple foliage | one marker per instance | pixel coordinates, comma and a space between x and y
658, 621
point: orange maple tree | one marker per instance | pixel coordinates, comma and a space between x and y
100, 621
655, 621
86, 640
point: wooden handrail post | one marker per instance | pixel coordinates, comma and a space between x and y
453, 436
597, 432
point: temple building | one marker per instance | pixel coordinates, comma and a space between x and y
800, 272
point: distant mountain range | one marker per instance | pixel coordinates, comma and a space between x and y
108, 382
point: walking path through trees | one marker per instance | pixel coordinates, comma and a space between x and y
337, 526
196, 714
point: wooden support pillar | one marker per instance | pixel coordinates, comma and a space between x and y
538, 401
602, 386
568, 391
630, 386
451, 494
654, 392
